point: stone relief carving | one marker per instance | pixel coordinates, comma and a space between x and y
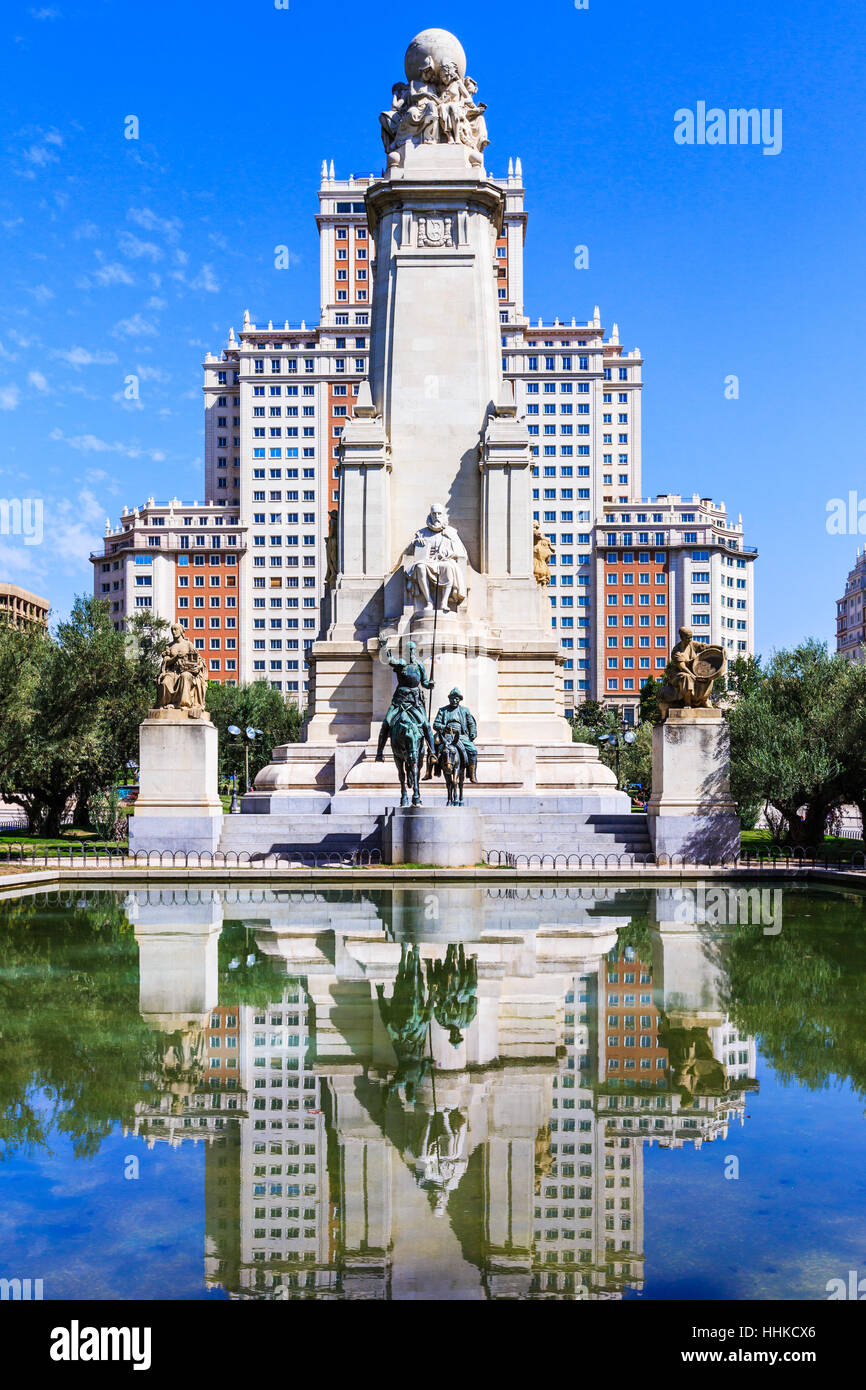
435, 231
436, 104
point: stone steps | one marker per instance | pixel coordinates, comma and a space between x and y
542, 833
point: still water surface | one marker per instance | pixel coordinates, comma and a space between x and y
460, 1093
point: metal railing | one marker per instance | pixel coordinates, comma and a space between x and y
80, 857
793, 858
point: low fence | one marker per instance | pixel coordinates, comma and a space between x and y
789, 857
771, 856
80, 857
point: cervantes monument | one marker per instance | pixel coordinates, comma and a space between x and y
435, 532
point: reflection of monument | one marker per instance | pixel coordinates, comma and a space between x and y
511, 1165
436, 420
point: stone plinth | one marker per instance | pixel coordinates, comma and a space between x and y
178, 806
691, 812
446, 837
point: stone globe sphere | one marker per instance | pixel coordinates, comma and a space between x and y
437, 44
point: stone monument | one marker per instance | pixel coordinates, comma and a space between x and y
178, 806
691, 813
435, 435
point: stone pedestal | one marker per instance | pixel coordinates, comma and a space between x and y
178, 806
446, 837
691, 813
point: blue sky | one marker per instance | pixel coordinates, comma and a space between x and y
135, 256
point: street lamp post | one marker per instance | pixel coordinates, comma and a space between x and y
249, 736
622, 734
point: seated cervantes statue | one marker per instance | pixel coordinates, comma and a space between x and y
435, 578
690, 674
182, 680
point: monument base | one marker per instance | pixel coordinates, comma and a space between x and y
178, 806
691, 813
444, 837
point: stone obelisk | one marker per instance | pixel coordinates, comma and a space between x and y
435, 462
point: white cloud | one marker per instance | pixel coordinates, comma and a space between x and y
11, 223
17, 561
9, 397
41, 293
205, 280
152, 222
113, 273
37, 380
42, 151
136, 326
92, 444
49, 12
83, 357
132, 246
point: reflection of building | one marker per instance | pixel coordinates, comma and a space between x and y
507, 1165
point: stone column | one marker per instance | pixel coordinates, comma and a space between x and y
691, 812
178, 806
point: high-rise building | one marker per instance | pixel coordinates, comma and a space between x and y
182, 562
277, 400
851, 613
663, 564
21, 609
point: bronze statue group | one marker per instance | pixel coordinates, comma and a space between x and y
449, 743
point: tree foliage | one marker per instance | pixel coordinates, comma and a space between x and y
72, 703
798, 728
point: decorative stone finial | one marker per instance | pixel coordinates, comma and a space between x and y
364, 407
246, 318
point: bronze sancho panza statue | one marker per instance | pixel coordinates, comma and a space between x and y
690, 674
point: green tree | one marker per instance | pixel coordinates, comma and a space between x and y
591, 713
72, 706
796, 737
649, 701
258, 706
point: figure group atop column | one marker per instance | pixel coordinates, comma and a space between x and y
436, 105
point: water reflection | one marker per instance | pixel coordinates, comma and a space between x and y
407, 1093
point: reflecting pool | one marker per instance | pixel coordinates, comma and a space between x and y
473, 1092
